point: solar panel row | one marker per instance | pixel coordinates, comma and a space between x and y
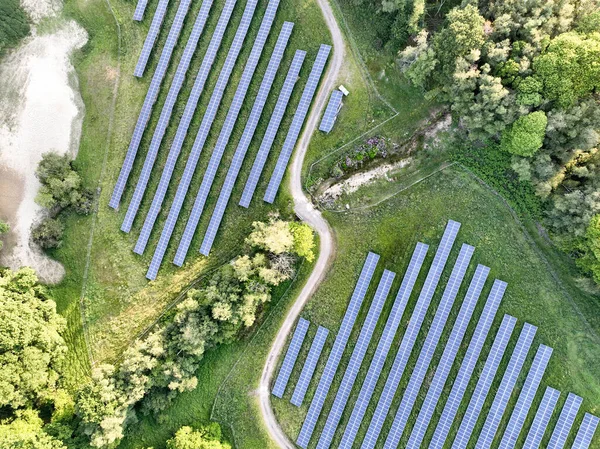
586, 432
184, 124
151, 95
151, 37
272, 128
331, 111
165, 117
297, 122
309, 366
227, 129
542, 418
452, 347
384, 345
565, 422
244, 143
410, 336
338, 348
486, 437
526, 397
290, 357
205, 126
431, 341
138, 14
358, 354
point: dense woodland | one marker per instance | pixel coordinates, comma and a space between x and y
14, 24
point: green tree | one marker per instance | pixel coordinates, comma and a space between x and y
48, 233
274, 236
206, 437
14, 25
4, 228
526, 135
26, 431
304, 241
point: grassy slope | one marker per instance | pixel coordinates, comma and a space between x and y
419, 214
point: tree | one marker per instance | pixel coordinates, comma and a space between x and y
48, 233
4, 228
26, 431
526, 135
206, 437
304, 241
274, 236
14, 25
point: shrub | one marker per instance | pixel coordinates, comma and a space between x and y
48, 233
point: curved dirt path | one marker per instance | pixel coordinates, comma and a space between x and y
304, 210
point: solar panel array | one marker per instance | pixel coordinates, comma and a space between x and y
358, 354
452, 347
526, 397
138, 14
151, 95
203, 132
151, 37
297, 122
433, 337
290, 357
309, 366
331, 111
230, 121
565, 422
542, 418
586, 432
165, 117
384, 345
338, 348
486, 437
244, 143
410, 336
184, 124
272, 128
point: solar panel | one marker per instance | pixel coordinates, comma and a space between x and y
331, 111
486, 437
138, 15
433, 337
565, 422
290, 357
542, 418
272, 128
184, 124
205, 126
338, 348
157, 21
227, 129
151, 95
526, 397
297, 122
358, 354
163, 121
452, 347
383, 347
412, 331
244, 143
586, 432
309, 366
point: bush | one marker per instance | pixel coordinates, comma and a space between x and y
4, 228
48, 234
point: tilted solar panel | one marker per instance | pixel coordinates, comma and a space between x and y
140, 8
157, 20
309, 366
331, 111
586, 432
290, 357
542, 418
565, 422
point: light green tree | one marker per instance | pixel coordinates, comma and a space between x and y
206, 437
526, 135
26, 431
304, 241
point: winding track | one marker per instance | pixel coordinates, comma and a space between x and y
305, 211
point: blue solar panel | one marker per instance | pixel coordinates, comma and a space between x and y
205, 126
309, 366
433, 337
297, 122
565, 422
165, 117
526, 397
383, 348
358, 354
486, 437
151, 37
586, 432
139, 10
290, 357
410, 336
452, 347
151, 95
338, 348
331, 111
230, 120
272, 128
184, 124
244, 143
542, 418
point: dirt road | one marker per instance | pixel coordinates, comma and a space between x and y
305, 210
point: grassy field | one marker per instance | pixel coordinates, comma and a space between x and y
540, 288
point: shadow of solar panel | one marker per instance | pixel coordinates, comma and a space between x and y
290, 358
